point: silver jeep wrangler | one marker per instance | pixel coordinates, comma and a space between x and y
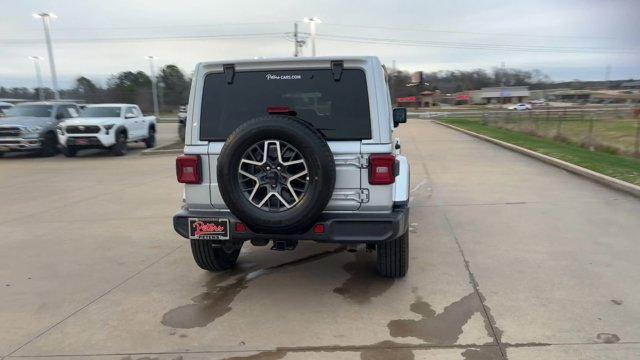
282, 150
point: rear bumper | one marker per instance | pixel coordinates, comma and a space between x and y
338, 227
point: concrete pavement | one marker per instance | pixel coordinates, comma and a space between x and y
510, 258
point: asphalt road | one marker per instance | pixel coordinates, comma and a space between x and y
510, 258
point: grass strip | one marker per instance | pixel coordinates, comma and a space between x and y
619, 167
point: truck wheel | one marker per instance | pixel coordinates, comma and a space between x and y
213, 258
120, 147
393, 257
150, 141
69, 151
49, 145
276, 174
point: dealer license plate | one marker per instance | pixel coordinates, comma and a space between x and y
208, 228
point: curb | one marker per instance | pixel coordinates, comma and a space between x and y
589, 174
160, 150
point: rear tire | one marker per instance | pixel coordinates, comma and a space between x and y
213, 258
120, 147
69, 151
393, 257
49, 145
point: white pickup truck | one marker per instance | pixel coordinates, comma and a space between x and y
106, 126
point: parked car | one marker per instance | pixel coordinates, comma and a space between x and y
32, 126
3, 107
520, 106
293, 149
107, 126
182, 121
538, 102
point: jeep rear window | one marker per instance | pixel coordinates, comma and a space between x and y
338, 109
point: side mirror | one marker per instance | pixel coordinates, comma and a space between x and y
399, 116
129, 116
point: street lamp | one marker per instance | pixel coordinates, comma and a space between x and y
312, 31
36, 63
154, 89
46, 18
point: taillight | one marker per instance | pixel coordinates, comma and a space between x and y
381, 169
188, 169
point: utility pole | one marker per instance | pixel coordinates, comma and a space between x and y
36, 63
295, 39
502, 76
312, 32
46, 16
154, 89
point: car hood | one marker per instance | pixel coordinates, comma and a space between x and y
26, 121
91, 121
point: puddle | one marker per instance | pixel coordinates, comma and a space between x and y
386, 350
442, 329
607, 338
482, 353
364, 283
220, 291
264, 355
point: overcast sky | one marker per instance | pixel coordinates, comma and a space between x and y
565, 39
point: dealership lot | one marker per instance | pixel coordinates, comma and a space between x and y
511, 258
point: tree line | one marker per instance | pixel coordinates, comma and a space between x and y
454, 81
123, 87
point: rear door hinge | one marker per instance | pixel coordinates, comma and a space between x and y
358, 195
360, 161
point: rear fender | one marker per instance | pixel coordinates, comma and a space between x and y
401, 187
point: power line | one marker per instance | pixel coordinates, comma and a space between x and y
143, 38
418, 29
473, 46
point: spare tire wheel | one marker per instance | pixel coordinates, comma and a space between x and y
276, 174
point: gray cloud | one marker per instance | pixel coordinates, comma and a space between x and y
428, 35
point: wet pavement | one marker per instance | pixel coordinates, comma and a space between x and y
510, 259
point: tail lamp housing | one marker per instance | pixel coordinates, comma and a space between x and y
188, 169
382, 169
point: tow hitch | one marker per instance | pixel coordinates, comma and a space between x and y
282, 245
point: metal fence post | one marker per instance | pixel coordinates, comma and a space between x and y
559, 125
637, 145
590, 136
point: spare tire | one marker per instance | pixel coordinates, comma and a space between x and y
276, 174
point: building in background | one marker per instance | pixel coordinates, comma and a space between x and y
501, 95
631, 85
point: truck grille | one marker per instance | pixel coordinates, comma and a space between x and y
82, 129
7, 131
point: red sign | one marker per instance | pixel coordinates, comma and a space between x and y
406, 99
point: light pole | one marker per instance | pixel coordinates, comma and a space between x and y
36, 63
154, 89
46, 18
312, 32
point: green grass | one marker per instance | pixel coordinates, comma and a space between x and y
619, 167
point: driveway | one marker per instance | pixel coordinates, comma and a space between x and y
510, 258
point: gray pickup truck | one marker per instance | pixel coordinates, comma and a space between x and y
32, 127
